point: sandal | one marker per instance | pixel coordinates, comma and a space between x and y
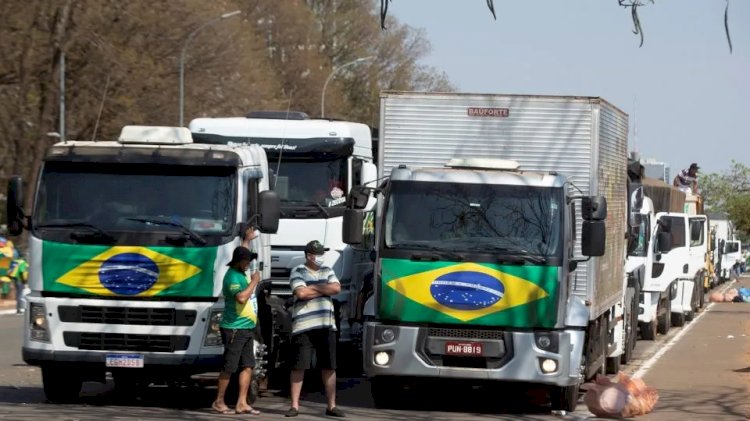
219, 411
251, 411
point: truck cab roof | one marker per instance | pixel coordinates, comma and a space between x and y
270, 133
478, 176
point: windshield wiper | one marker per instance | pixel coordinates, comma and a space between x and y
440, 252
185, 230
310, 203
511, 255
92, 227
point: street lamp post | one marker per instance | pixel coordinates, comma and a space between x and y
182, 58
330, 77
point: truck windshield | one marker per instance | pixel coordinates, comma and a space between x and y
478, 218
112, 200
312, 185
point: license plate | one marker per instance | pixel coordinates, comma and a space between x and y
463, 348
124, 360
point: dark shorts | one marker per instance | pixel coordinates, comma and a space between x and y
320, 341
238, 349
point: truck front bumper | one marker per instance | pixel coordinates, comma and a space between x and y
196, 363
506, 355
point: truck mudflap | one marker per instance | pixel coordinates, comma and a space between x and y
546, 357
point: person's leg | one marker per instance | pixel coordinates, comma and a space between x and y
296, 378
302, 360
247, 361
230, 365
19, 295
329, 380
219, 404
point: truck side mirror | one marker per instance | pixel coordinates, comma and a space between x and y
594, 208
14, 206
358, 197
593, 238
269, 205
353, 223
663, 242
369, 174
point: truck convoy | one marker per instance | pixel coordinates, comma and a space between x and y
128, 245
490, 254
314, 164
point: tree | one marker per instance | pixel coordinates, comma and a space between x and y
729, 193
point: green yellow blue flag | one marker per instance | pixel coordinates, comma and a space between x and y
468, 293
128, 271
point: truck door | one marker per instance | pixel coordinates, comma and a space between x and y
698, 244
732, 253
673, 264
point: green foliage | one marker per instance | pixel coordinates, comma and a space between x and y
729, 193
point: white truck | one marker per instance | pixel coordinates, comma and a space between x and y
728, 250
314, 164
128, 246
489, 204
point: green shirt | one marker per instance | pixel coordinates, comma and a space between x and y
236, 315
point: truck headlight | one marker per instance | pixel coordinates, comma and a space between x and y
213, 330
548, 365
38, 326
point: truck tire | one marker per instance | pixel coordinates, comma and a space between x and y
564, 398
61, 385
613, 364
678, 319
663, 317
631, 328
387, 393
648, 331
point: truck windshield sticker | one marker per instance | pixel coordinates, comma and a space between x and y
465, 292
128, 270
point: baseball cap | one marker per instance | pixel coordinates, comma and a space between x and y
242, 253
314, 247
694, 165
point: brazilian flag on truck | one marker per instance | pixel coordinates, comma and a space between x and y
521, 296
128, 271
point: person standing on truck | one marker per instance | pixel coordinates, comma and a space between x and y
687, 180
314, 325
237, 330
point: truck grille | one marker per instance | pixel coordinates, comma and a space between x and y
465, 333
127, 315
126, 342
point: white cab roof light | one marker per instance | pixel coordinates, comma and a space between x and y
484, 163
159, 135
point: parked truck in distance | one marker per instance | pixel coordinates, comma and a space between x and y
490, 254
128, 246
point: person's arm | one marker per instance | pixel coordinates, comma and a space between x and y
300, 290
331, 287
246, 293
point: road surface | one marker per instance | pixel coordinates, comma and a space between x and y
702, 371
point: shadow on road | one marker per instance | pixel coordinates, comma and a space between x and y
721, 403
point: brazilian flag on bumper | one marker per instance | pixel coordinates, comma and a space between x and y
128, 271
469, 293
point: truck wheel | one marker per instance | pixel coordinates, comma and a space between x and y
564, 398
648, 331
613, 365
387, 393
678, 319
61, 385
663, 317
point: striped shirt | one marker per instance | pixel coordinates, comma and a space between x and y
316, 313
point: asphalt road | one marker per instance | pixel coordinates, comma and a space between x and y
22, 398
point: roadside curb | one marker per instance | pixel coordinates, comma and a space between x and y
7, 312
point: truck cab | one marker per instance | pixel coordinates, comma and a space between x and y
314, 164
471, 277
128, 246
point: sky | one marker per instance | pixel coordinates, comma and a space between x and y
688, 98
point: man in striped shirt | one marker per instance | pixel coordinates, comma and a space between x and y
314, 325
